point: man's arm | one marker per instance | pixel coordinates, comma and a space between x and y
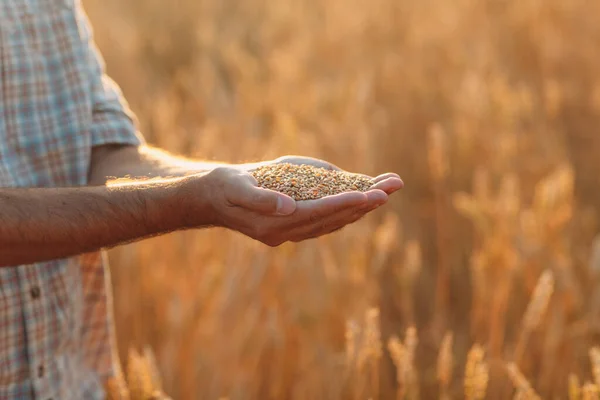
40, 224
141, 162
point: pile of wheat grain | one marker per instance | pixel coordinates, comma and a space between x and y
306, 182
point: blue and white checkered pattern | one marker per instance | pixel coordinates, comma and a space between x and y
56, 103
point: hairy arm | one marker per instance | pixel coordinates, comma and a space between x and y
141, 162
40, 224
146, 162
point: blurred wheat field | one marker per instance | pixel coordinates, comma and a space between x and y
479, 280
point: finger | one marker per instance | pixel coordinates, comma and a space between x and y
356, 217
376, 196
328, 225
389, 185
244, 193
340, 219
312, 210
382, 177
301, 236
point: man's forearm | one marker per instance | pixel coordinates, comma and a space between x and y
118, 161
41, 224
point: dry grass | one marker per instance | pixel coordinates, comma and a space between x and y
488, 109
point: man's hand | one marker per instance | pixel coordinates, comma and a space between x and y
39, 224
148, 162
226, 195
231, 197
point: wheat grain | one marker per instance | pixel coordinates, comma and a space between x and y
437, 153
413, 259
410, 343
574, 387
444, 365
306, 182
397, 352
589, 391
524, 388
476, 374
288, 88
535, 310
372, 333
152, 367
138, 377
116, 390
373, 347
539, 301
594, 354
403, 356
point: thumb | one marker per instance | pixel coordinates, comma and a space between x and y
262, 201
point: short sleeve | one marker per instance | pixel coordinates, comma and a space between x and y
113, 122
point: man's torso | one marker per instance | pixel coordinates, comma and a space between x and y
55, 323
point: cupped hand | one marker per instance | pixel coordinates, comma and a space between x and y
237, 203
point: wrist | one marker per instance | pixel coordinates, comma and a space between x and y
190, 200
162, 204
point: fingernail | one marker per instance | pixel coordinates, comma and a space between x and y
285, 205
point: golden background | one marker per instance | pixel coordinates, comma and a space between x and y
489, 110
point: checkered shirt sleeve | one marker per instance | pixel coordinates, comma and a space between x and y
113, 121
56, 104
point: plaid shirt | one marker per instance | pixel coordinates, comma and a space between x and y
56, 103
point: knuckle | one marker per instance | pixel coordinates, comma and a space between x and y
261, 198
257, 198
